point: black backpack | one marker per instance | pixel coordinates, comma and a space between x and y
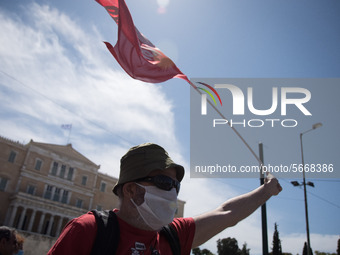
107, 238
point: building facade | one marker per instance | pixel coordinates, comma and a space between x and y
43, 186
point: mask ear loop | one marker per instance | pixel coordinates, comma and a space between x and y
141, 186
137, 206
139, 196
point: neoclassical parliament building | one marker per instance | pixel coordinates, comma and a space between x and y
43, 186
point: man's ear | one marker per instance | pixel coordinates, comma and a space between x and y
133, 191
129, 190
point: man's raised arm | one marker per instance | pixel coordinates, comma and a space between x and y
233, 211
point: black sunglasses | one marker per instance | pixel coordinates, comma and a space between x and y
162, 181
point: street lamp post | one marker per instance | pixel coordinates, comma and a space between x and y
315, 126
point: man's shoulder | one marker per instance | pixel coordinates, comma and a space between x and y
84, 222
185, 228
183, 223
188, 220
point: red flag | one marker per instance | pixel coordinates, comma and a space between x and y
134, 52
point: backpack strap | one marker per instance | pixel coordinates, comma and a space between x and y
107, 238
172, 237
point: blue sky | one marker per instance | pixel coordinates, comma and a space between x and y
55, 70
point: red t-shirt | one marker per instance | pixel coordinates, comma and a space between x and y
79, 234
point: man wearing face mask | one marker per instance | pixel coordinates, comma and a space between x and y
148, 186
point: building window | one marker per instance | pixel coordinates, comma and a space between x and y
102, 187
56, 196
54, 168
70, 173
12, 156
84, 180
3, 183
64, 198
79, 203
62, 171
48, 192
38, 164
31, 189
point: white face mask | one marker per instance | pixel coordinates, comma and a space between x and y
159, 206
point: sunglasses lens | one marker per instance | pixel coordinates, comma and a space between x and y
163, 182
166, 183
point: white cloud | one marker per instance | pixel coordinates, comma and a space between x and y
53, 72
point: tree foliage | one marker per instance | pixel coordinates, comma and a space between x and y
229, 246
277, 249
198, 251
304, 251
324, 253
244, 250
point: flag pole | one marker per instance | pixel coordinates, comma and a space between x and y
263, 209
69, 135
235, 131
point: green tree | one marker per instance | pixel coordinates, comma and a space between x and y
198, 251
227, 246
206, 252
277, 249
324, 253
338, 249
304, 251
244, 250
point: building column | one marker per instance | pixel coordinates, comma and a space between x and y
13, 214
41, 222
60, 222
30, 225
50, 224
22, 217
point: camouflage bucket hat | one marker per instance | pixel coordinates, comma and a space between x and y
141, 160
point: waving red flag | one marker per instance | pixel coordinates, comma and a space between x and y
141, 59
134, 52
